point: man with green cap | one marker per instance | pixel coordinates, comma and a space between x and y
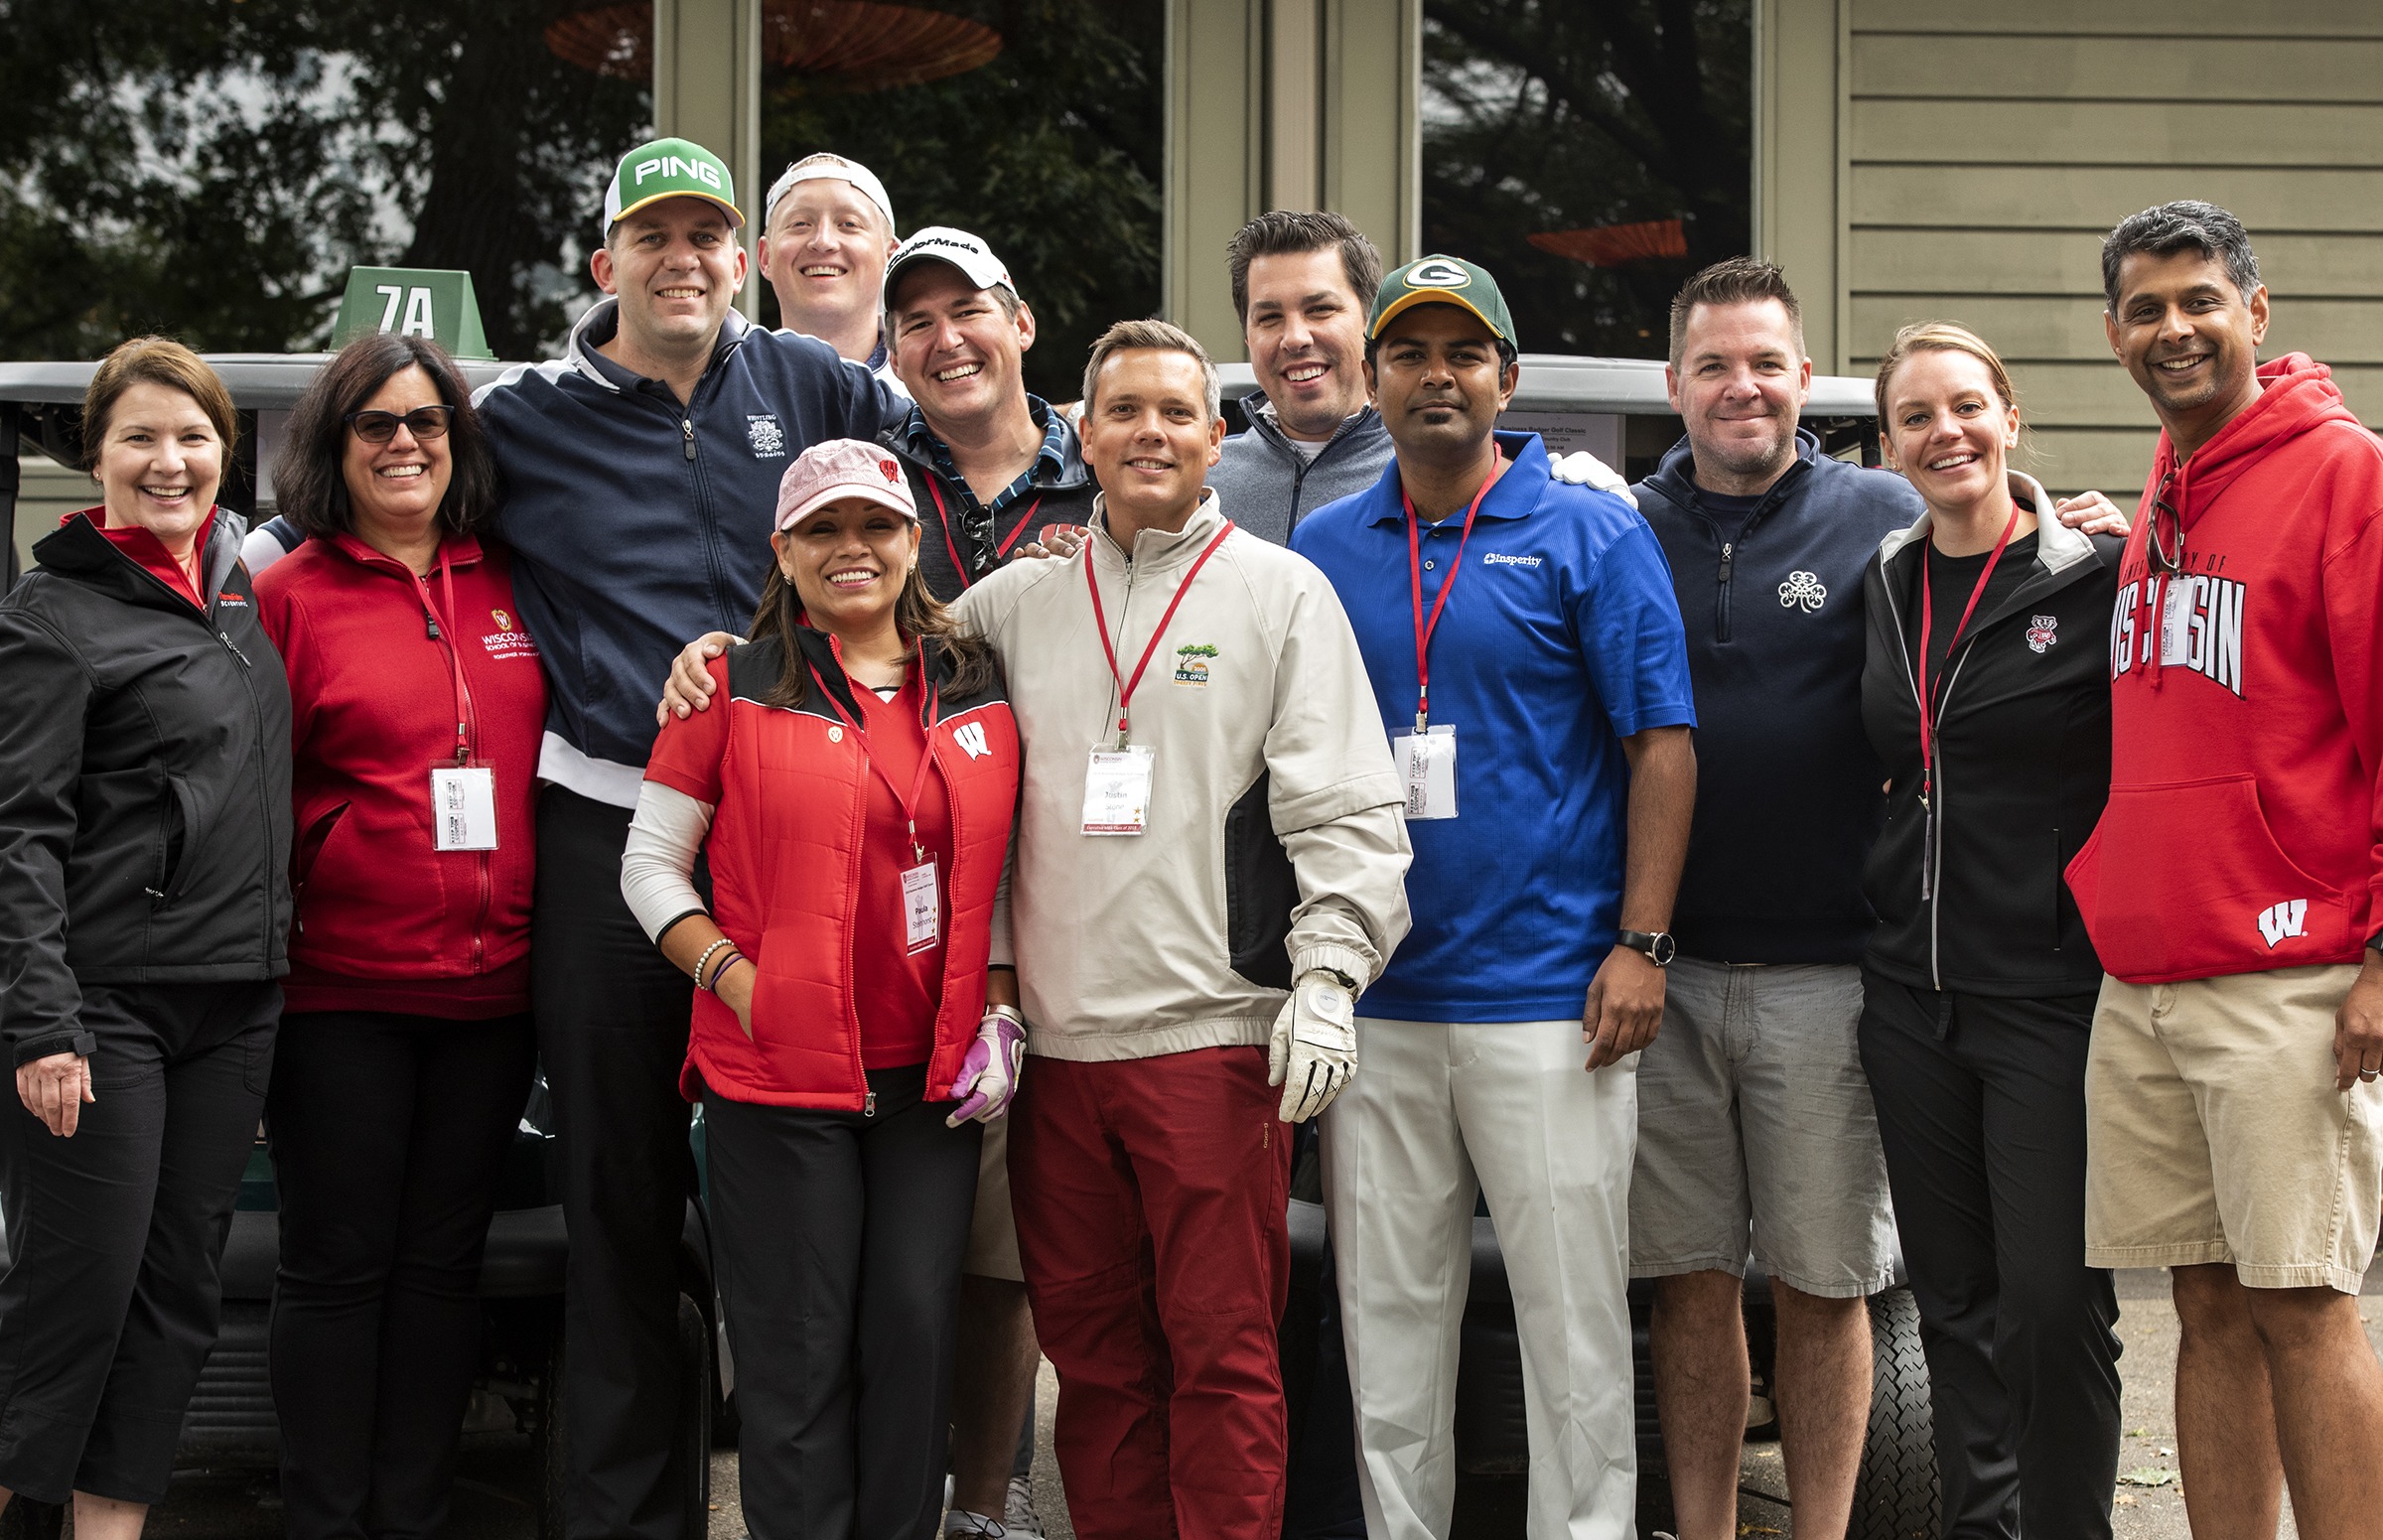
1524, 643
640, 471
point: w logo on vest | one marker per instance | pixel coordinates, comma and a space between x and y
2288, 919
970, 735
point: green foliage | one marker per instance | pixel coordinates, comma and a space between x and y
212, 169
1053, 153
1544, 115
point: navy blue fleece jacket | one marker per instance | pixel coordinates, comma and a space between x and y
639, 524
1788, 795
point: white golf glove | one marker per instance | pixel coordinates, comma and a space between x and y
1582, 469
1314, 1050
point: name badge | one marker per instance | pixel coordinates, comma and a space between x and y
1429, 762
921, 908
1118, 789
2175, 621
463, 807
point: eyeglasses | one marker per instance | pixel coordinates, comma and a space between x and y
2168, 550
423, 422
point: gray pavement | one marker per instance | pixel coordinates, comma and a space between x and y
494, 1481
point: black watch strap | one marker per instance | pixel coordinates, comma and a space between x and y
1658, 946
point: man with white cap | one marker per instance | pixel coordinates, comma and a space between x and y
827, 229
990, 463
640, 470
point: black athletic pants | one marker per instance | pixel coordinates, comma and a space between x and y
612, 1019
1982, 1109
114, 1288
389, 1134
838, 1240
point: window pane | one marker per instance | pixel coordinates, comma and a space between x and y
1591, 154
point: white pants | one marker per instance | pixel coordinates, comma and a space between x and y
1437, 1110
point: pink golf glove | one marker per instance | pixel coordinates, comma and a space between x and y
989, 1074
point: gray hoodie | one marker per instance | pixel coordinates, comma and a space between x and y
1271, 487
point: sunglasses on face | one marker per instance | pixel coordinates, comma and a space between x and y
423, 422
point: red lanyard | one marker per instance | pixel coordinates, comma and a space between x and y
1927, 621
927, 753
1125, 687
968, 579
1424, 628
455, 655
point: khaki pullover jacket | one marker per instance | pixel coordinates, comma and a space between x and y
1275, 842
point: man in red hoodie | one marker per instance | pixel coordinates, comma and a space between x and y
2235, 1120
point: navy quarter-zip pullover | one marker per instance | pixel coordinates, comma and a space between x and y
1788, 789
640, 523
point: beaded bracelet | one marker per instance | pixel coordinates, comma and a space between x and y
707, 957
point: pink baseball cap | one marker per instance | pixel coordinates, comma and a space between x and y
842, 467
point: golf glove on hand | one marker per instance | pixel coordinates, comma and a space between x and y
1314, 1050
1582, 469
989, 1074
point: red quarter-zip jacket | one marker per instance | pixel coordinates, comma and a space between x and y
2245, 824
386, 922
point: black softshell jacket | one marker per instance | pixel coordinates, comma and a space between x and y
144, 784
2023, 769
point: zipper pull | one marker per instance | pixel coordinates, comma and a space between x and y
687, 425
430, 625
1726, 550
869, 1105
226, 637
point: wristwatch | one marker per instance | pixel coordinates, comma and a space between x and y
1658, 946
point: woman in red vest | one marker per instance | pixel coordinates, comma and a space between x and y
406, 1047
852, 789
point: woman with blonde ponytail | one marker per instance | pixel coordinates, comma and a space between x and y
1984, 693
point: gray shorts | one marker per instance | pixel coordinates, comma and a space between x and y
1756, 1131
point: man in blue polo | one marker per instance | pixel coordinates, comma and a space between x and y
1525, 650
639, 473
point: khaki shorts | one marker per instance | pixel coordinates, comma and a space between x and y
2214, 1134
993, 1234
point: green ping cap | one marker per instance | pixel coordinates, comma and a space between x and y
1442, 280
669, 167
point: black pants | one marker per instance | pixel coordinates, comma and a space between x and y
114, 1288
611, 1019
1982, 1110
838, 1240
390, 1133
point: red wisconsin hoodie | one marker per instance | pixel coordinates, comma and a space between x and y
2245, 824
386, 920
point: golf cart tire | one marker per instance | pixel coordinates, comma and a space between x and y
1895, 1496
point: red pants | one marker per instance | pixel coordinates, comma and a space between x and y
1149, 1201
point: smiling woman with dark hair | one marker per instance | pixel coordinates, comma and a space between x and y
407, 1050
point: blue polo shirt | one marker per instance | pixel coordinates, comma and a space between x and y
1562, 638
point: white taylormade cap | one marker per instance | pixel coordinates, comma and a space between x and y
829, 168
942, 243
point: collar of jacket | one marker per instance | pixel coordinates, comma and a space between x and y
1154, 550
1071, 472
602, 322
2058, 547
1675, 477
822, 650
1258, 409
459, 550
79, 550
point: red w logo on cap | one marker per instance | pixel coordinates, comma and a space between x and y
893, 472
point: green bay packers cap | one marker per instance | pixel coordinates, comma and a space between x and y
1442, 280
669, 167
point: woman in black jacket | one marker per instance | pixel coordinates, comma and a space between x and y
1986, 693
144, 853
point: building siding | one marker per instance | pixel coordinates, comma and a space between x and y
1986, 151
